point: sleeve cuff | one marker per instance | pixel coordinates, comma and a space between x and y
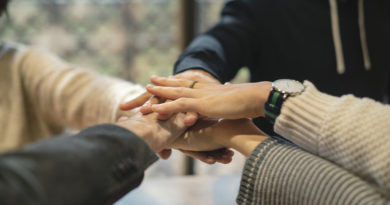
190, 62
302, 116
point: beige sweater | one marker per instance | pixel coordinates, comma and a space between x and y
42, 95
351, 132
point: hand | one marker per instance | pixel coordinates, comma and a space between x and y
157, 134
146, 100
160, 135
224, 156
229, 101
241, 135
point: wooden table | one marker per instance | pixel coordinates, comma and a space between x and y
185, 190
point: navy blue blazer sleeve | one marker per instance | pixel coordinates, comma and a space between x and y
226, 47
96, 166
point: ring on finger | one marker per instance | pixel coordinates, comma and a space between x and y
193, 84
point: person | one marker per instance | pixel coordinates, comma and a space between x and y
45, 96
96, 166
342, 42
347, 137
42, 94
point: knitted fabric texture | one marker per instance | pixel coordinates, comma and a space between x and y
42, 95
352, 132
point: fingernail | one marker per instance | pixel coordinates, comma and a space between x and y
149, 86
123, 118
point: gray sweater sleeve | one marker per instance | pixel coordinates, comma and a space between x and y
348, 131
280, 173
96, 166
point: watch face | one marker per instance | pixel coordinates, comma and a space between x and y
288, 86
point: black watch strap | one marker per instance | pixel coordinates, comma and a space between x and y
273, 105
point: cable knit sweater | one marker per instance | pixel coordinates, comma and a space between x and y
41, 95
345, 155
351, 132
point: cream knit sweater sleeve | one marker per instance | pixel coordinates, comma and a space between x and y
68, 96
351, 132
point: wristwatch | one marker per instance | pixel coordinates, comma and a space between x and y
281, 90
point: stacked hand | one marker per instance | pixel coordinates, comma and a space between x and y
201, 96
147, 100
229, 101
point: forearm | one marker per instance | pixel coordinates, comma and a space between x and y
225, 48
244, 138
245, 144
68, 96
284, 174
97, 166
348, 131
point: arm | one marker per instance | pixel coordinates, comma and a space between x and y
96, 166
348, 131
351, 132
226, 47
241, 135
68, 96
280, 173
219, 53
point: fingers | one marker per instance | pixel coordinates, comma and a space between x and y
138, 101
198, 75
147, 107
164, 116
191, 118
180, 105
123, 118
171, 82
165, 154
172, 92
224, 156
202, 156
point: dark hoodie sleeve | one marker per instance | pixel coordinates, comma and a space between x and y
226, 47
96, 166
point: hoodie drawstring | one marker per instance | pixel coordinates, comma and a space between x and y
334, 17
363, 37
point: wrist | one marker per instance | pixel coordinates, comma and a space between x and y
142, 131
198, 74
244, 139
261, 93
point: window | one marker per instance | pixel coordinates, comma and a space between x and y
131, 39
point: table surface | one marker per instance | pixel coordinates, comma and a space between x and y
185, 190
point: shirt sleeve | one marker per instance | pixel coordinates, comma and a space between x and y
281, 173
226, 47
96, 166
68, 96
349, 131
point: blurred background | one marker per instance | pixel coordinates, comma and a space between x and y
129, 39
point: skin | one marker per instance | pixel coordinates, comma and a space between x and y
241, 135
214, 100
207, 137
222, 156
160, 135
147, 100
229, 101
157, 134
